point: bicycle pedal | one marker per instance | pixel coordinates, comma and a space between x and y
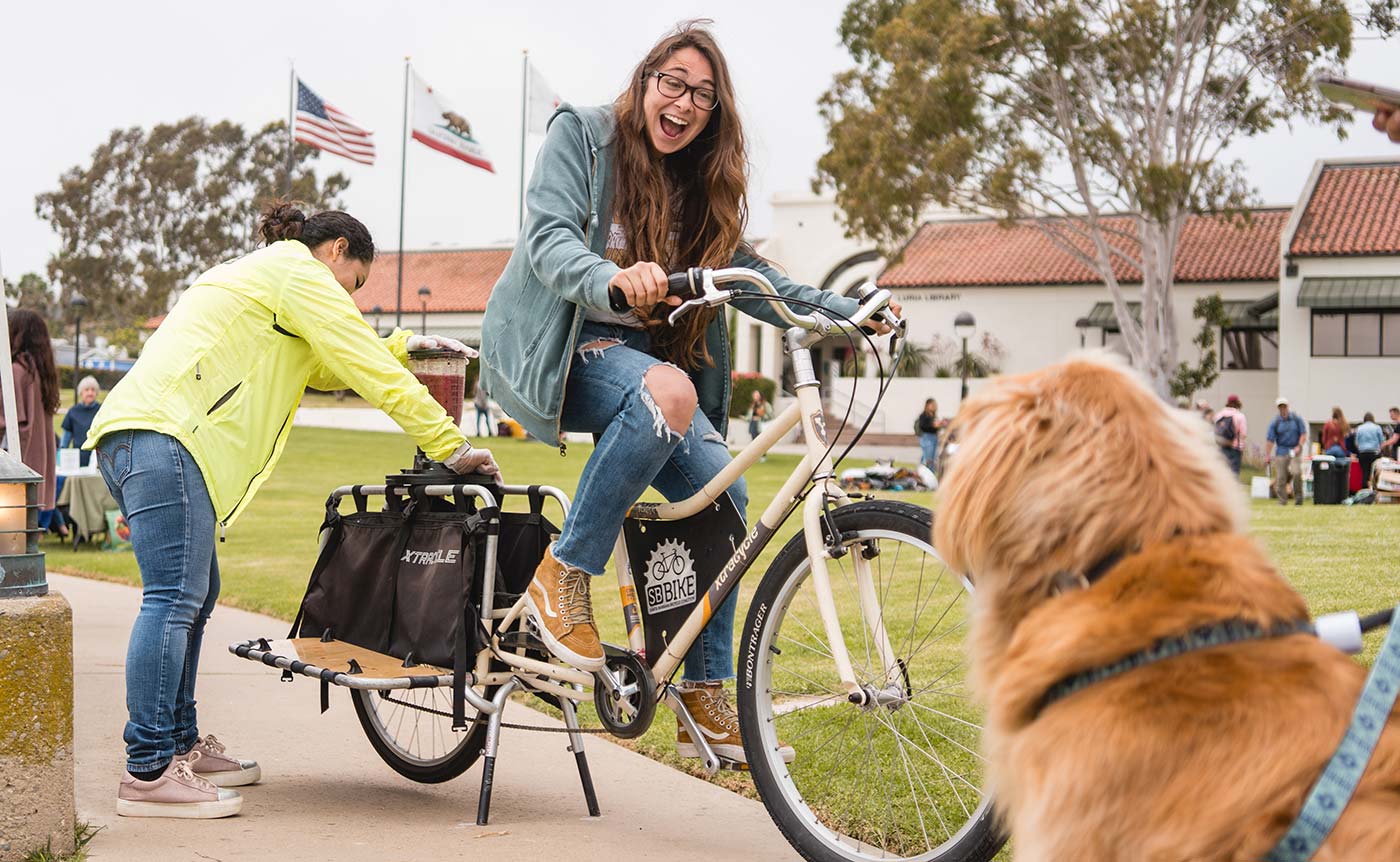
732, 765
528, 640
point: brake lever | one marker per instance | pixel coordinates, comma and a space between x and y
682, 308
710, 296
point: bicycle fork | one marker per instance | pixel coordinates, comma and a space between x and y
872, 614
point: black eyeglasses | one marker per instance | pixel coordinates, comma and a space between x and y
672, 87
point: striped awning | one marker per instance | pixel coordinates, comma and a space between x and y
1102, 316
1243, 314
1377, 292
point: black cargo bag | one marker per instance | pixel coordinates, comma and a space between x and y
400, 582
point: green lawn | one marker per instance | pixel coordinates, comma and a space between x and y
1337, 556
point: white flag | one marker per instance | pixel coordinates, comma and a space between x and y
436, 125
543, 101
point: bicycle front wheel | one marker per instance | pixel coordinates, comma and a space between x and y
898, 776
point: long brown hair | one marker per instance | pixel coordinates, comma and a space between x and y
29, 345
698, 194
1343, 426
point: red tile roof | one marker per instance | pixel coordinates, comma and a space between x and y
459, 280
983, 252
1355, 209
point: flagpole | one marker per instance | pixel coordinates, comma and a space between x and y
7, 383
291, 123
524, 112
403, 174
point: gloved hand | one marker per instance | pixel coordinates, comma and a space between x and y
468, 459
439, 342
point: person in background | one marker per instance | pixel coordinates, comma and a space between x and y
483, 410
185, 440
1230, 430
1203, 408
1288, 438
1392, 443
1334, 435
78, 419
760, 411
36, 403
1369, 437
927, 426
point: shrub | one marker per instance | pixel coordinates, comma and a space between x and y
741, 388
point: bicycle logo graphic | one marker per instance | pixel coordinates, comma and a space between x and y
670, 576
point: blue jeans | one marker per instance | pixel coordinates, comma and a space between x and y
162, 494
1234, 458
928, 450
606, 395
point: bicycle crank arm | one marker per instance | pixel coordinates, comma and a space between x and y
672, 698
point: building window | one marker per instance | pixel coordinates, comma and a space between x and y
1329, 333
1250, 349
1390, 334
1355, 333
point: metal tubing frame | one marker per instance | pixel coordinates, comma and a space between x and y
816, 463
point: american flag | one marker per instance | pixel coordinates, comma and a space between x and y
324, 127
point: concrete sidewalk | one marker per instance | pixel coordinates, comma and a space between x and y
326, 795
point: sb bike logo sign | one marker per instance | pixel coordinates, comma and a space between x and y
674, 563
670, 577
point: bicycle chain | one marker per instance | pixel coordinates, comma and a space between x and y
506, 724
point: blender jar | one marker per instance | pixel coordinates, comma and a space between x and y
444, 372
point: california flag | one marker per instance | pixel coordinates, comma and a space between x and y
436, 125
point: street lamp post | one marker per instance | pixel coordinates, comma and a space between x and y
78, 303
377, 310
965, 326
1082, 324
423, 294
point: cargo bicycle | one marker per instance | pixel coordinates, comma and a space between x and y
851, 654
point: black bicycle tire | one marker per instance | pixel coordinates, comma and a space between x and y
983, 839
454, 765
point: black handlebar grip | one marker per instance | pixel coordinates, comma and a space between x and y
677, 284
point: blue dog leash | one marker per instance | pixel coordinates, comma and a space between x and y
1334, 789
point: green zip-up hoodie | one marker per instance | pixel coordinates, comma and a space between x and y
226, 369
557, 270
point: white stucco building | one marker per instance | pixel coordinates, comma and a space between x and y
1312, 292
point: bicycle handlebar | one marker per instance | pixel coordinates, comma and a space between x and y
699, 287
677, 284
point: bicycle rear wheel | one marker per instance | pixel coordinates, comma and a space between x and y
900, 776
411, 730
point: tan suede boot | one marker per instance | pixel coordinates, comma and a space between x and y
710, 707
559, 602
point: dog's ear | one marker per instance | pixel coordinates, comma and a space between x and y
1059, 468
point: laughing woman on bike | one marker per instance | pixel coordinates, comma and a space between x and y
622, 195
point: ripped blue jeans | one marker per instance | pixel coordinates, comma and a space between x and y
606, 395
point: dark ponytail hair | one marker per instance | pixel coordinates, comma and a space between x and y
30, 346
284, 219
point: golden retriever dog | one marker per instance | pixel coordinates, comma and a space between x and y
1203, 756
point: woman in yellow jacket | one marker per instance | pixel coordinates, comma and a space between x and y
185, 440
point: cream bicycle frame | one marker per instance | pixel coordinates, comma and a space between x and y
816, 467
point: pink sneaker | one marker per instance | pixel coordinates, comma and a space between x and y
217, 767
179, 792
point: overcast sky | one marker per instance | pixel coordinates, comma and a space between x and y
71, 72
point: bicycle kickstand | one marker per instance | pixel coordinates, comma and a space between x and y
488, 751
576, 746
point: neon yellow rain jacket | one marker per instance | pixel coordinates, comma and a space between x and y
225, 371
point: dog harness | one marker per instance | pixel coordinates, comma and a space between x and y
1333, 790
